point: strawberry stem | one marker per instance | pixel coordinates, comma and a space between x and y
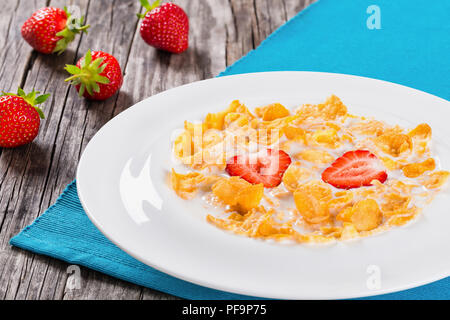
33, 98
148, 7
73, 27
88, 75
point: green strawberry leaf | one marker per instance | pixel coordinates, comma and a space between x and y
42, 98
88, 75
40, 112
87, 59
72, 69
20, 92
145, 4
102, 80
148, 7
73, 27
82, 89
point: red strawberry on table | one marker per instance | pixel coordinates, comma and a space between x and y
20, 117
355, 169
97, 76
50, 29
165, 27
266, 167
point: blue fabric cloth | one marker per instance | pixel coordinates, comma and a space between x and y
411, 48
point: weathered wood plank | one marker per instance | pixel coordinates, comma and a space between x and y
32, 177
28, 173
147, 72
16, 56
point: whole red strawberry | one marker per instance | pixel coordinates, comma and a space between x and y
165, 27
97, 76
50, 30
20, 117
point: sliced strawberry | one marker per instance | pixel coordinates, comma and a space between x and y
355, 169
266, 167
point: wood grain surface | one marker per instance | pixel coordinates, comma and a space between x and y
33, 176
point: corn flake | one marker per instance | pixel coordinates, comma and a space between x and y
422, 131
186, 185
293, 177
238, 193
315, 156
311, 200
394, 144
436, 179
275, 111
415, 170
366, 215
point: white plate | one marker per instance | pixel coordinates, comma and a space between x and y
122, 185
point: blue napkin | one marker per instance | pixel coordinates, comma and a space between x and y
412, 47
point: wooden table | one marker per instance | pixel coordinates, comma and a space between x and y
33, 176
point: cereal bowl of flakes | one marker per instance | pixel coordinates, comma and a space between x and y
335, 175
292, 185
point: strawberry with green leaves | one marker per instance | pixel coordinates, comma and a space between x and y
50, 30
97, 76
165, 26
20, 117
